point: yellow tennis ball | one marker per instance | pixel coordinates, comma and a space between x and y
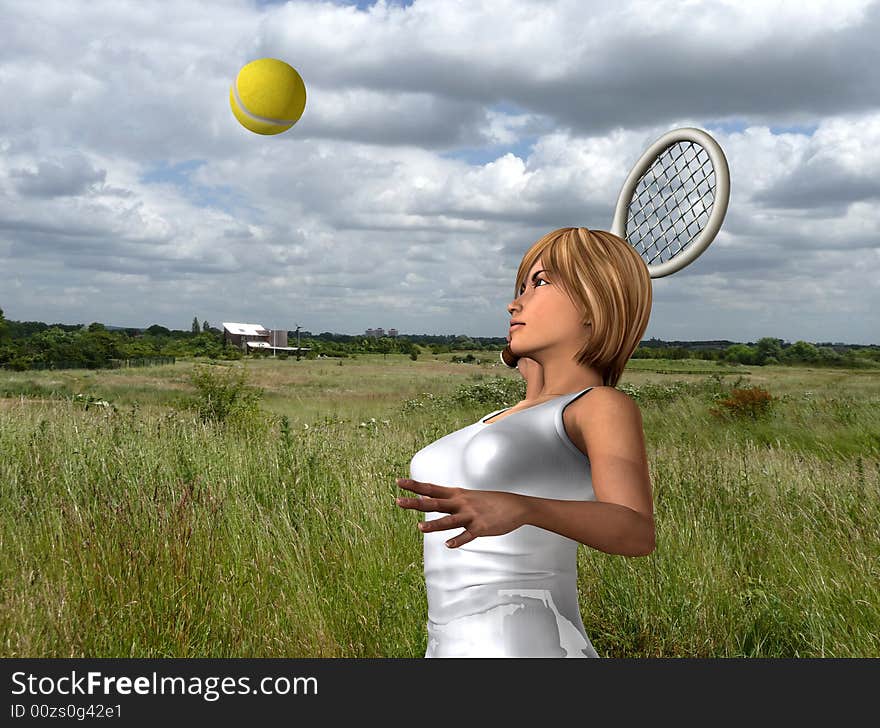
268, 96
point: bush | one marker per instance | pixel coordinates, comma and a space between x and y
222, 395
19, 364
495, 392
414, 356
753, 403
712, 388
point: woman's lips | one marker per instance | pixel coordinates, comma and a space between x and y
514, 326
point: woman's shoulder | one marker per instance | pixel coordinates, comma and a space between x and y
599, 413
603, 398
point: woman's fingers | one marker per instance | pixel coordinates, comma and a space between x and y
441, 524
462, 538
423, 504
430, 489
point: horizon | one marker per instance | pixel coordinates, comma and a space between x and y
785, 342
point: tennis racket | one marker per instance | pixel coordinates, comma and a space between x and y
672, 204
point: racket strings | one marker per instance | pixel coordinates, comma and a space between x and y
672, 202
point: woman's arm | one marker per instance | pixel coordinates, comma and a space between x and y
621, 519
608, 527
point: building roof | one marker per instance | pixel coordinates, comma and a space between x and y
245, 329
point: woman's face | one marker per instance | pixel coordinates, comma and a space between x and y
549, 319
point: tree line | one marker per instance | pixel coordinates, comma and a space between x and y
32, 344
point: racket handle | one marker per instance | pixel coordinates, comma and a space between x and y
508, 357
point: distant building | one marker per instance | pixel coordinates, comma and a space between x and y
239, 334
380, 332
250, 337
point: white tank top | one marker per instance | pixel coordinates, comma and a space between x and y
513, 595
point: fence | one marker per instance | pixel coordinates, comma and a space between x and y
146, 361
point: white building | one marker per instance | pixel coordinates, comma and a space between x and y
251, 337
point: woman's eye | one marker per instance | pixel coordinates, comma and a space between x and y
522, 288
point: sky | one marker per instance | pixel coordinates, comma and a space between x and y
440, 139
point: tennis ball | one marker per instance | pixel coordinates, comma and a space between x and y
268, 96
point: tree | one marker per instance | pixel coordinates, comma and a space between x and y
4, 329
767, 348
206, 326
742, 353
801, 351
195, 325
828, 355
385, 345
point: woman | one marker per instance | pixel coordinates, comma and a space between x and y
567, 465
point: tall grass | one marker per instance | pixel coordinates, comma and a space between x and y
141, 529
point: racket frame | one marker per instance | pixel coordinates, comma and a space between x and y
703, 238
719, 205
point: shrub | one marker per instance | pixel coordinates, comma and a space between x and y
650, 393
497, 391
492, 393
753, 403
286, 436
223, 394
423, 401
713, 387
19, 364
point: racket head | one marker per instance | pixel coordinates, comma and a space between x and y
674, 200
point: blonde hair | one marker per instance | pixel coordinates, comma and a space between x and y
608, 282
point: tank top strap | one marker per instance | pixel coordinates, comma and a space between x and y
560, 424
569, 398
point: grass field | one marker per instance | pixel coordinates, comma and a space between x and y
137, 530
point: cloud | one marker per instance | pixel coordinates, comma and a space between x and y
439, 141
67, 177
837, 167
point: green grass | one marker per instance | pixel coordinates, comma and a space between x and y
137, 530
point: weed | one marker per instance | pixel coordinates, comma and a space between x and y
223, 395
753, 402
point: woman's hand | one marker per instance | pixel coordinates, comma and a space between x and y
480, 512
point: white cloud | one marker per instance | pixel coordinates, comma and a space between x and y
130, 194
